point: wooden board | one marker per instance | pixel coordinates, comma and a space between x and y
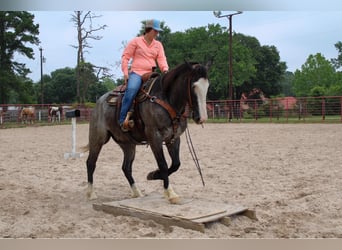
190, 213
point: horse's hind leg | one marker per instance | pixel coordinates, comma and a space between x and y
129, 155
96, 141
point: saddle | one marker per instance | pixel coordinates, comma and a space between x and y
115, 96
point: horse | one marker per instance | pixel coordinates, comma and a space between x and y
255, 96
55, 113
159, 118
27, 114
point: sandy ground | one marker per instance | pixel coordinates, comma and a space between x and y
290, 174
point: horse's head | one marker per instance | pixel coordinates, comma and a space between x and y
198, 88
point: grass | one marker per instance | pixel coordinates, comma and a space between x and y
311, 119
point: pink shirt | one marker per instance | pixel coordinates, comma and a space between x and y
144, 56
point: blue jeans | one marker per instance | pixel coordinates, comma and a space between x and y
133, 86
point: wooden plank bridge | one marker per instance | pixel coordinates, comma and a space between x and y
189, 214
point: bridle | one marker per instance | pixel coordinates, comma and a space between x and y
175, 117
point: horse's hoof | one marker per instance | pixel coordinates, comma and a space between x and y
150, 176
171, 196
154, 175
136, 193
174, 200
91, 195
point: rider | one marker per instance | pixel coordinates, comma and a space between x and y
144, 51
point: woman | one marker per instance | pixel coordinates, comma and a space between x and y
144, 51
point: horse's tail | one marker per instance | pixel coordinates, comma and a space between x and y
85, 148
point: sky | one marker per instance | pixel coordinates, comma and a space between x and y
296, 34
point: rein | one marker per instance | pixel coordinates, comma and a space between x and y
175, 118
193, 153
173, 115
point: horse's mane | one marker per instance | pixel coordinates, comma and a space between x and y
172, 75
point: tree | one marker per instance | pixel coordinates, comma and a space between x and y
286, 84
61, 86
338, 61
88, 78
16, 31
83, 36
316, 76
270, 70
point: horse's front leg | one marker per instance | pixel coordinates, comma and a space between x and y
163, 173
173, 149
129, 155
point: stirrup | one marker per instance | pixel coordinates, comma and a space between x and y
124, 127
127, 125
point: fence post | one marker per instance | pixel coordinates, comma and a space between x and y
271, 105
323, 108
341, 107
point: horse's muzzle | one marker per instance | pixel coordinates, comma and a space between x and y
199, 120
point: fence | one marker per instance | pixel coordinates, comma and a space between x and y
11, 114
287, 109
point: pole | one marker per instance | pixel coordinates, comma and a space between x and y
73, 153
230, 56
230, 83
41, 75
73, 122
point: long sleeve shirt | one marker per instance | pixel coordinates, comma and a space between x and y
143, 56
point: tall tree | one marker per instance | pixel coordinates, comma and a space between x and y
317, 74
61, 86
17, 30
84, 34
338, 61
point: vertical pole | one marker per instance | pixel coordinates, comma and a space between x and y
341, 107
41, 75
323, 108
230, 76
230, 87
73, 121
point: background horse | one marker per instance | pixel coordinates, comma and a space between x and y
55, 113
159, 118
27, 114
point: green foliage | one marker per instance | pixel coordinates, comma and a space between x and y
338, 61
16, 31
61, 87
316, 77
254, 65
286, 84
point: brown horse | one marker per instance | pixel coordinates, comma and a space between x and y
27, 114
159, 118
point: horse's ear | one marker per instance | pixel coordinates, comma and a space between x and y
208, 65
186, 62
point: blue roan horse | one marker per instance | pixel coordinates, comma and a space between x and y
159, 118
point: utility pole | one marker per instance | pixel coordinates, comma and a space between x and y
41, 75
218, 14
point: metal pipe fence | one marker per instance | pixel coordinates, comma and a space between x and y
11, 114
286, 109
